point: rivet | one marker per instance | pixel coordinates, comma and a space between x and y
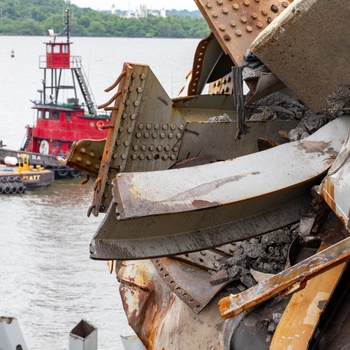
227, 37
227, 89
138, 135
115, 155
156, 126
140, 126
165, 126
159, 148
257, 0
225, 11
149, 157
129, 130
269, 20
167, 148
133, 156
125, 116
143, 76
181, 127
249, 29
175, 148
123, 156
246, 2
88, 163
146, 135
209, 5
141, 156
162, 135
135, 148
82, 150
118, 143
274, 8
127, 102
139, 90
263, 12
233, 24
133, 75
143, 148
154, 135
235, 7
214, 14
151, 148
133, 116
285, 4
171, 135
222, 27
131, 89
136, 103
127, 143
254, 15
238, 32
243, 19
78, 159
173, 157
178, 136
92, 154
173, 127
220, 2
149, 126
165, 157
259, 25
121, 129
97, 166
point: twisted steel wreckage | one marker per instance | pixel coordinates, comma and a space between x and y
227, 211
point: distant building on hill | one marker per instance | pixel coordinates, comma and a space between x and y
140, 12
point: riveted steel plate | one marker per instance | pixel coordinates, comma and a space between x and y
307, 48
236, 23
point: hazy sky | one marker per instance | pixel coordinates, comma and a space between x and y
132, 4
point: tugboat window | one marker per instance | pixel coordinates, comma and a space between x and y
55, 116
48, 47
56, 49
65, 48
40, 114
47, 115
68, 116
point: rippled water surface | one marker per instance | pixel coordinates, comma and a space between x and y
48, 281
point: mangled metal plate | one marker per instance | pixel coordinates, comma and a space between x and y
237, 23
149, 131
183, 210
308, 43
335, 188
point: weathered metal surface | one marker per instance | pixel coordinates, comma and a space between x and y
190, 283
237, 23
85, 156
297, 48
298, 324
287, 281
161, 320
241, 180
335, 188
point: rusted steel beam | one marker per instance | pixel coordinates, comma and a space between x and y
291, 279
237, 23
297, 48
215, 203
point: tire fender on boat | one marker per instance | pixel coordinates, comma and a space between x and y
7, 188
62, 171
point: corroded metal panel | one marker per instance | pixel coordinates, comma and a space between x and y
237, 23
215, 203
306, 47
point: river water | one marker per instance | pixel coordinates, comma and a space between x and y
47, 280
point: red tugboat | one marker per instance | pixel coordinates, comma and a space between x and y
60, 122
